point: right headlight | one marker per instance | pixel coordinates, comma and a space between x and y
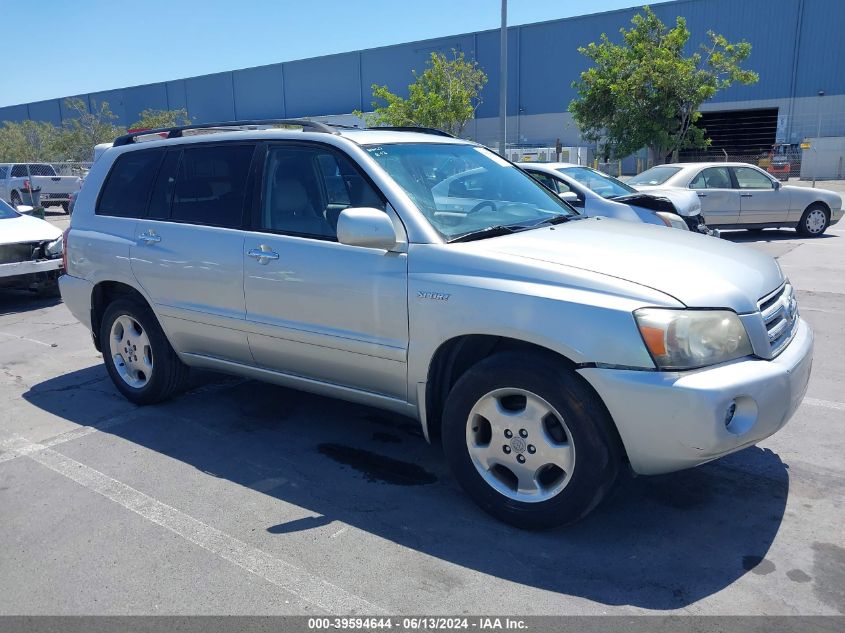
672, 220
688, 339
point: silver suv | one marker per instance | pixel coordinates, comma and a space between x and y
544, 350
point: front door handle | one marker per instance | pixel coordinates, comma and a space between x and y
149, 238
746, 195
264, 254
702, 195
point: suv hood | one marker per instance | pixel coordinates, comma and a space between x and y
695, 269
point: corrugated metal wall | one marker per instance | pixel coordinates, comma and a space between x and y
796, 45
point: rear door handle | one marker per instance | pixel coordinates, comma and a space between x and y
702, 195
149, 238
263, 256
746, 195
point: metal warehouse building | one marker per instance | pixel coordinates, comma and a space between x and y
797, 50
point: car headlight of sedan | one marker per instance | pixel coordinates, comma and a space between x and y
53, 250
672, 220
689, 339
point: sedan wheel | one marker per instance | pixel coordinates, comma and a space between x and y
814, 221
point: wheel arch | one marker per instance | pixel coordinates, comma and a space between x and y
456, 355
103, 293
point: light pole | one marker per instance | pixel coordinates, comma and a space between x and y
503, 80
818, 134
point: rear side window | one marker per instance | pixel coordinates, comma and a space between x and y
3, 171
210, 185
40, 169
18, 171
127, 187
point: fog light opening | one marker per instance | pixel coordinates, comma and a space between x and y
729, 414
740, 415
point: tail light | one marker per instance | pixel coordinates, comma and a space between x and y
64, 248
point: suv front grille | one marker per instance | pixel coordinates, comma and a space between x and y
780, 314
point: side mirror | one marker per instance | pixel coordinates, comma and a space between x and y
569, 196
776, 184
24, 208
366, 227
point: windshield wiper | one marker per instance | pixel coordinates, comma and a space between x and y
490, 231
505, 229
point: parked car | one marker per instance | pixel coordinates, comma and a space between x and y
742, 196
545, 350
30, 251
17, 178
594, 193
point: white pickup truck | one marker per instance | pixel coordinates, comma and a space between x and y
16, 178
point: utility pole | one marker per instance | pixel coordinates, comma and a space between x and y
503, 80
818, 134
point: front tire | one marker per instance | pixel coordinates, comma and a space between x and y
137, 354
529, 441
814, 222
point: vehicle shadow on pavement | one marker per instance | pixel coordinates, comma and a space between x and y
657, 542
19, 301
770, 235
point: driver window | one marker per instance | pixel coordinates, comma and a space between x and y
712, 178
305, 189
748, 178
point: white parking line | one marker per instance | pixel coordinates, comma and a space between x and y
827, 404
306, 587
23, 338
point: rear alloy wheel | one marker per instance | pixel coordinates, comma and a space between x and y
529, 440
138, 356
814, 222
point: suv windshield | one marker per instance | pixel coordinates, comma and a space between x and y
604, 185
654, 176
465, 189
6, 211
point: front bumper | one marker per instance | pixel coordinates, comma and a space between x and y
674, 420
16, 269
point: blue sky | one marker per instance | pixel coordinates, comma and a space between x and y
79, 47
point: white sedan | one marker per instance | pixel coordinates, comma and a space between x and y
30, 251
742, 196
594, 193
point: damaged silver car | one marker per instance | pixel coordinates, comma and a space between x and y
30, 251
594, 193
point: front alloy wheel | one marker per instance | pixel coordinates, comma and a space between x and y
814, 221
529, 440
520, 445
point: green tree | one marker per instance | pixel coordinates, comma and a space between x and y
445, 96
28, 141
81, 132
646, 92
153, 119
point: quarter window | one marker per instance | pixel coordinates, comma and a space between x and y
712, 178
748, 178
210, 185
306, 188
128, 184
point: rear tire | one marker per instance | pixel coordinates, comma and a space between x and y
137, 354
65, 208
15, 199
814, 222
551, 442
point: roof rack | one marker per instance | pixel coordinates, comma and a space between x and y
176, 132
412, 128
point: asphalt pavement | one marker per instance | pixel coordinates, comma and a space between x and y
245, 498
